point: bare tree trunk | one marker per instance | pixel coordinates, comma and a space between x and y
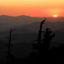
8, 56
40, 32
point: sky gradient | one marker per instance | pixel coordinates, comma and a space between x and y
38, 8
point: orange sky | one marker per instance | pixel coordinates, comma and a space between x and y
38, 8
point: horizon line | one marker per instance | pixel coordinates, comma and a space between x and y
29, 16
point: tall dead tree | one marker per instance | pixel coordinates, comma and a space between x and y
38, 45
40, 33
8, 55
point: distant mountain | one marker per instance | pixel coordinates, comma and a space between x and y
7, 22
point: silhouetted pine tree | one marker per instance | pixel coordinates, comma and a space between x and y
42, 45
48, 36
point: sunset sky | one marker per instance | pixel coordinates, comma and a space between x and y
36, 8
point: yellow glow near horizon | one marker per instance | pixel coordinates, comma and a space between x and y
32, 7
55, 16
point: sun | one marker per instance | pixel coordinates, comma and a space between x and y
55, 16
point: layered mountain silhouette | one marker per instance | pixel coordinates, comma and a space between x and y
7, 22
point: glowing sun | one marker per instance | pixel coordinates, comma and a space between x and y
55, 16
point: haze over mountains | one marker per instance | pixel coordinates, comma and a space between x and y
30, 23
7, 22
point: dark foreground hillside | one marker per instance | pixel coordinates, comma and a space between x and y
23, 53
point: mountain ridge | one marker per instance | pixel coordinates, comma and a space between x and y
7, 22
